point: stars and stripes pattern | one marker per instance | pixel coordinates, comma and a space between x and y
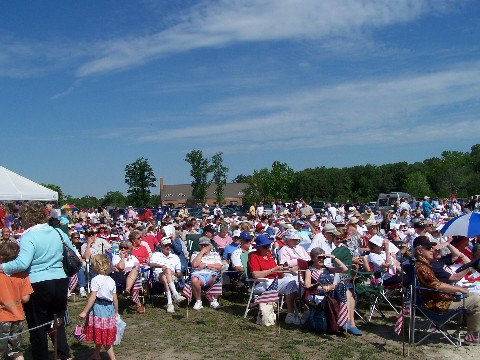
400, 316
315, 274
216, 289
137, 286
73, 282
269, 295
187, 289
343, 310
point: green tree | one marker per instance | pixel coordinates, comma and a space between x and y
416, 184
241, 178
199, 172
270, 185
219, 177
140, 178
114, 198
58, 190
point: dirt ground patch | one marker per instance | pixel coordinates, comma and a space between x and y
224, 333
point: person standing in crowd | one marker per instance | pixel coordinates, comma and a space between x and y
41, 255
101, 308
16, 290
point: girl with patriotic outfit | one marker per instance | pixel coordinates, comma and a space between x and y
101, 308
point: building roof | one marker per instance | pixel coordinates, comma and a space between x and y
183, 192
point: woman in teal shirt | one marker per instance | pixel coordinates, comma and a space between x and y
41, 255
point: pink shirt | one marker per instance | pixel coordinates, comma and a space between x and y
290, 255
222, 242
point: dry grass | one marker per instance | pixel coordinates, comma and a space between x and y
224, 333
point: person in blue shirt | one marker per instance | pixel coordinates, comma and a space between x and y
427, 207
41, 255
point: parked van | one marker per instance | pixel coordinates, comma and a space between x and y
385, 201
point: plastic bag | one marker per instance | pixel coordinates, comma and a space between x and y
120, 330
79, 333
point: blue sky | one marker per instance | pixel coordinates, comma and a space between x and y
88, 87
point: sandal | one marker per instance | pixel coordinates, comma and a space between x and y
140, 309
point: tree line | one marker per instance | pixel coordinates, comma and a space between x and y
453, 173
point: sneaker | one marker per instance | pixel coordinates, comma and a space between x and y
83, 293
354, 331
471, 339
293, 319
214, 304
178, 298
69, 293
170, 308
198, 305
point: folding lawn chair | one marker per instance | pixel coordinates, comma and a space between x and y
433, 322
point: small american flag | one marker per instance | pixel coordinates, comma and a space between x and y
137, 286
73, 282
315, 274
216, 289
399, 323
269, 295
187, 289
343, 311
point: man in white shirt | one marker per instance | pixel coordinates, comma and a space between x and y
166, 267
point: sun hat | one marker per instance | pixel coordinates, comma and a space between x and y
291, 234
330, 228
166, 241
262, 240
353, 220
423, 241
245, 235
260, 226
236, 233
204, 240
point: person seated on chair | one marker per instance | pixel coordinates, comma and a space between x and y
140, 249
443, 300
166, 267
125, 270
442, 265
245, 247
206, 264
291, 252
382, 260
318, 276
230, 248
94, 245
261, 265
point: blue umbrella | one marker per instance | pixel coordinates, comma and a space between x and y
463, 225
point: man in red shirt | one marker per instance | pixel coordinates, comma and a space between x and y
261, 264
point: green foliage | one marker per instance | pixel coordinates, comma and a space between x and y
57, 189
199, 172
269, 185
114, 198
140, 178
219, 177
416, 184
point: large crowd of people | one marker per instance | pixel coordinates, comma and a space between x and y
275, 241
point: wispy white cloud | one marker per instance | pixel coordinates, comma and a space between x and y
220, 23
391, 110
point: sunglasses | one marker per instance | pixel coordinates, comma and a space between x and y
123, 248
203, 244
168, 245
321, 257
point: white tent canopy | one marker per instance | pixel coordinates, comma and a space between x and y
16, 187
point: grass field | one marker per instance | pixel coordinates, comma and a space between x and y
225, 334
